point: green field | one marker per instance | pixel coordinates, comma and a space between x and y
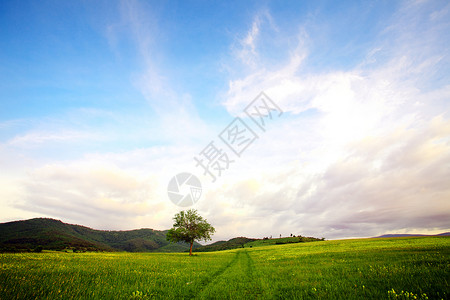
397, 268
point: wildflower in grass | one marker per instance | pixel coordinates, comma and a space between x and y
406, 295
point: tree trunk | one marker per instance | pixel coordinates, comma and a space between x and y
190, 250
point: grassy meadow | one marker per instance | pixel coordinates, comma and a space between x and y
395, 268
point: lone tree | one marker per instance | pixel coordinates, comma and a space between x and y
189, 226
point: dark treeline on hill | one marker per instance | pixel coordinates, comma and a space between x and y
49, 234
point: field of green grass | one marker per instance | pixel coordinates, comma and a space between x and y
396, 268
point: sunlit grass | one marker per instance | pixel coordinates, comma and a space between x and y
348, 269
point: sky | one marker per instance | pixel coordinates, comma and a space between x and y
102, 103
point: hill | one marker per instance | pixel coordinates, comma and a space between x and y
282, 241
243, 242
50, 234
233, 243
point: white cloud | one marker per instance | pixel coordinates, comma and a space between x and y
38, 138
247, 52
98, 194
375, 150
405, 190
245, 48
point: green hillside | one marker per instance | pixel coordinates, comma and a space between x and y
379, 268
243, 242
281, 241
234, 243
50, 234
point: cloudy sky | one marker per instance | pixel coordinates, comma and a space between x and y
103, 102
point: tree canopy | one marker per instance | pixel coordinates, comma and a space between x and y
189, 226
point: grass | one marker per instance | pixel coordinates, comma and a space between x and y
396, 268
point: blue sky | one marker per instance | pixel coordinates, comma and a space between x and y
101, 103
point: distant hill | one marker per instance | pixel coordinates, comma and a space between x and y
243, 242
409, 235
282, 241
234, 243
50, 234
